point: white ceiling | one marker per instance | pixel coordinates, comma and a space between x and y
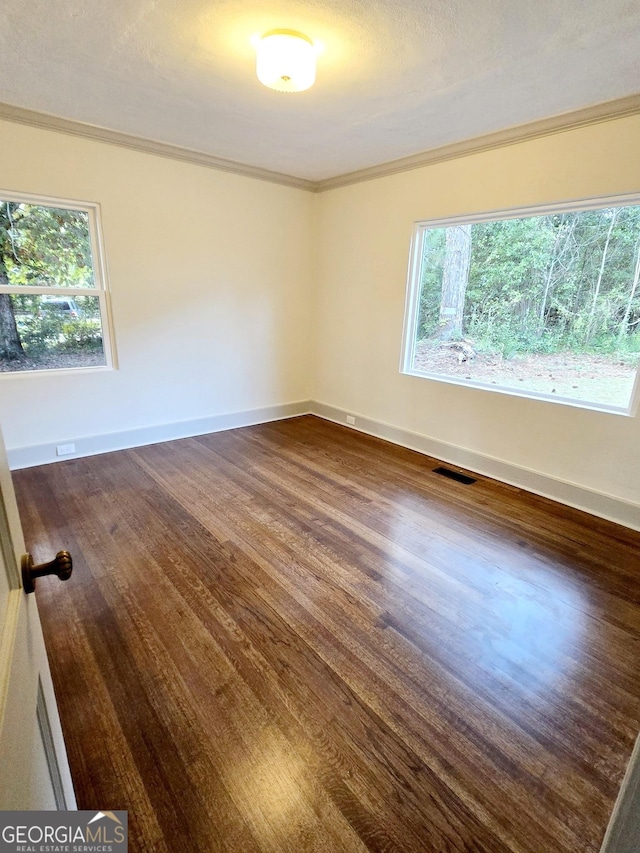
395, 78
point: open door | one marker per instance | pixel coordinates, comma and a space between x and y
34, 770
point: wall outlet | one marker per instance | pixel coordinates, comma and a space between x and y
65, 449
351, 420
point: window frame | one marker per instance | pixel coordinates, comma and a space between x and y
413, 288
100, 278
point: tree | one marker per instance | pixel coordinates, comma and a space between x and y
563, 227
624, 325
10, 344
545, 284
596, 292
39, 247
455, 277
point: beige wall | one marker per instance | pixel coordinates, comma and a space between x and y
364, 233
209, 276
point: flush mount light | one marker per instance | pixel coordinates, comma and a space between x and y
286, 61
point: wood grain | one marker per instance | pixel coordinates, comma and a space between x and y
292, 637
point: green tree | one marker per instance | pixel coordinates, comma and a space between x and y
10, 344
39, 246
563, 281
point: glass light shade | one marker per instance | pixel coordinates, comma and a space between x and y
286, 61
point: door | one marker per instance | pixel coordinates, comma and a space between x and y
34, 771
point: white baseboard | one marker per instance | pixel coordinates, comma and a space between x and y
580, 497
571, 494
43, 454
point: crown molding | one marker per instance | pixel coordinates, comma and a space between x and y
608, 111
46, 121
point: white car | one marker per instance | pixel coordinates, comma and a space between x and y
63, 305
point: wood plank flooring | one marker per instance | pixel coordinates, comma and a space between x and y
292, 637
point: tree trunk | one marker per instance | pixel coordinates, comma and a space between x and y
624, 326
560, 247
550, 272
596, 292
455, 277
10, 345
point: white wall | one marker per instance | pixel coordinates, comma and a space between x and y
210, 281
232, 294
364, 233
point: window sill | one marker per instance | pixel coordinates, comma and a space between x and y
629, 412
64, 371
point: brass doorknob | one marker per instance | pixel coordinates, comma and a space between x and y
61, 565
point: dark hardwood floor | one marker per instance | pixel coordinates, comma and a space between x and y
292, 637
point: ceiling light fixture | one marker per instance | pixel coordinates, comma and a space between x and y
286, 61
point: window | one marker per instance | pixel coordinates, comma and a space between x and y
543, 302
53, 298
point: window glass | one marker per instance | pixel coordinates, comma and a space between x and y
544, 305
53, 309
57, 333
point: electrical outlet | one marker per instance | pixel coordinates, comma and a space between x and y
351, 420
65, 449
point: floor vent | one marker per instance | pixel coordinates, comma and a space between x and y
453, 475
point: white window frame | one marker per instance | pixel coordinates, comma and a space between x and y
100, 278
413, 298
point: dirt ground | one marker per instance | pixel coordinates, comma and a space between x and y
593, 378
54, 361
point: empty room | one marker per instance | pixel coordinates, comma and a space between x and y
319, 350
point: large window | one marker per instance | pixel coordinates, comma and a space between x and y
541, 302
53, 298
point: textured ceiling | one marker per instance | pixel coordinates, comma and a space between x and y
395, 78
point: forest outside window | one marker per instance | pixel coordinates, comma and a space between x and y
541, 303
53, 299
